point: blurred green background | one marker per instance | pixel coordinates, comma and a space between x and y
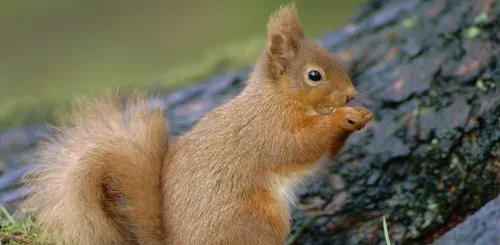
54, 48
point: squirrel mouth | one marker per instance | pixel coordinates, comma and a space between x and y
325, 110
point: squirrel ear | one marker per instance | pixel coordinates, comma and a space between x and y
280, 52
284, 32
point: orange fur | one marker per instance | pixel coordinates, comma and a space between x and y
230, 180
264, 205
98, 178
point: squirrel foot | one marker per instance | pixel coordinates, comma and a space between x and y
352, 118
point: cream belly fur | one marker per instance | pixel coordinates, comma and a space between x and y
286, 188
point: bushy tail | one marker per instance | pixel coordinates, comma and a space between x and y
97, 181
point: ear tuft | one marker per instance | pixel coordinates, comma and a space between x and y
285, 21
284, 32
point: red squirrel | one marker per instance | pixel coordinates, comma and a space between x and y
105, 178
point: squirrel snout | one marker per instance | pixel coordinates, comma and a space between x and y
351, 94
350, 97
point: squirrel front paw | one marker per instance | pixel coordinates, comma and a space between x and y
352, 118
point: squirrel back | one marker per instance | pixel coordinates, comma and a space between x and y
97, 180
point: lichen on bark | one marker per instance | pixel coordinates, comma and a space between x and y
431, 153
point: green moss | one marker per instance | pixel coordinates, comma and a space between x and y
18, 230
472, 32
480, 85
410, 22
481, 18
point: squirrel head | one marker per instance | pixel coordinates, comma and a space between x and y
301, 68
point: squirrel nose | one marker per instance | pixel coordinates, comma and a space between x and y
350, 97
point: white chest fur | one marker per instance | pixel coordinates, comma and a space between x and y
286, 188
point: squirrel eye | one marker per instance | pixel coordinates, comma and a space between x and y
314, 76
